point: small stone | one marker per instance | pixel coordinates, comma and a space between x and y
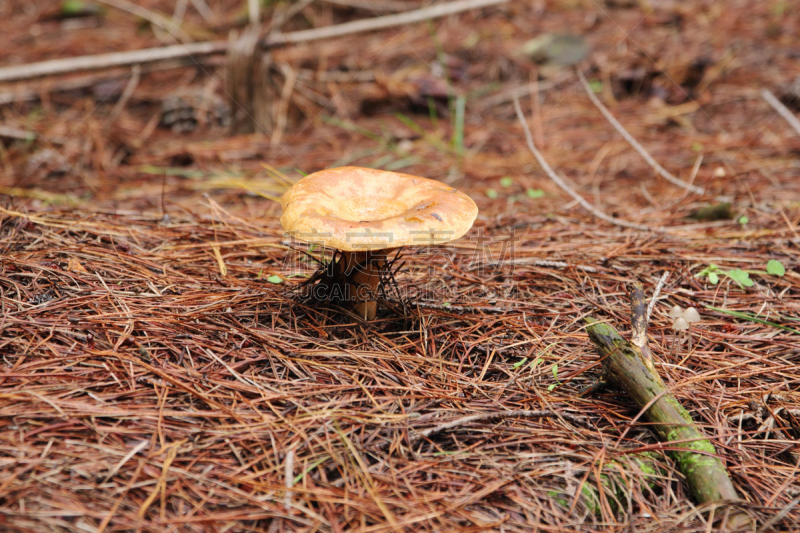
559, 49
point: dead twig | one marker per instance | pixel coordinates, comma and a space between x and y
639, 319
379, 23
282, 16
136, 73
55, 67
782, 110
172, 27
195, 50
379, 6
483, 417
633, 142
563, 185
518, 92
656, 292
627, 366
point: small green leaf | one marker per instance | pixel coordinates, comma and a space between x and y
537, 362
491, 193
446, 304
551, 387
555, 370
708, 270
744, 219
275, 279
259, 273
534, 193
741, 277
696, 147
520, 362
597, 86
505, 181
775, 268
713, 278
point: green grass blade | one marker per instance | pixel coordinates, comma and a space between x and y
752, 318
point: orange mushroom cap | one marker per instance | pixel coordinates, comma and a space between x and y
354, 208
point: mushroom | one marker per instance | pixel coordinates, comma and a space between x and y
679, 324
683, 321
691, 316
364, 213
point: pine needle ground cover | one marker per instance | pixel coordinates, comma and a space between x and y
160, 370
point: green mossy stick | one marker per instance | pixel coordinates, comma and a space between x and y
626, 366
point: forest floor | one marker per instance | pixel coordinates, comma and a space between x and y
159, 373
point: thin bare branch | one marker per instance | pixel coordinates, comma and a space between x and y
782, 110
633, 142
195, 50
656, 292
136, 73
484, 417
563, 185
172, 27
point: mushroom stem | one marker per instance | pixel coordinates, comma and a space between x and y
362, 275
689, 333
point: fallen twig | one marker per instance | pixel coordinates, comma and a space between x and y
518, 92
136, 73
639, 320
156, 19
633, 142
380, 6
656, 292
115, 59
781, 109
150, 55
482, 417
561, 183
626, 366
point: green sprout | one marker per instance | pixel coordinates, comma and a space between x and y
554, 370
775, 268
534, 193
742, 277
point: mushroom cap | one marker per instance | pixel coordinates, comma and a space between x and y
691, 315
676, 311
353, 208
680, 324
